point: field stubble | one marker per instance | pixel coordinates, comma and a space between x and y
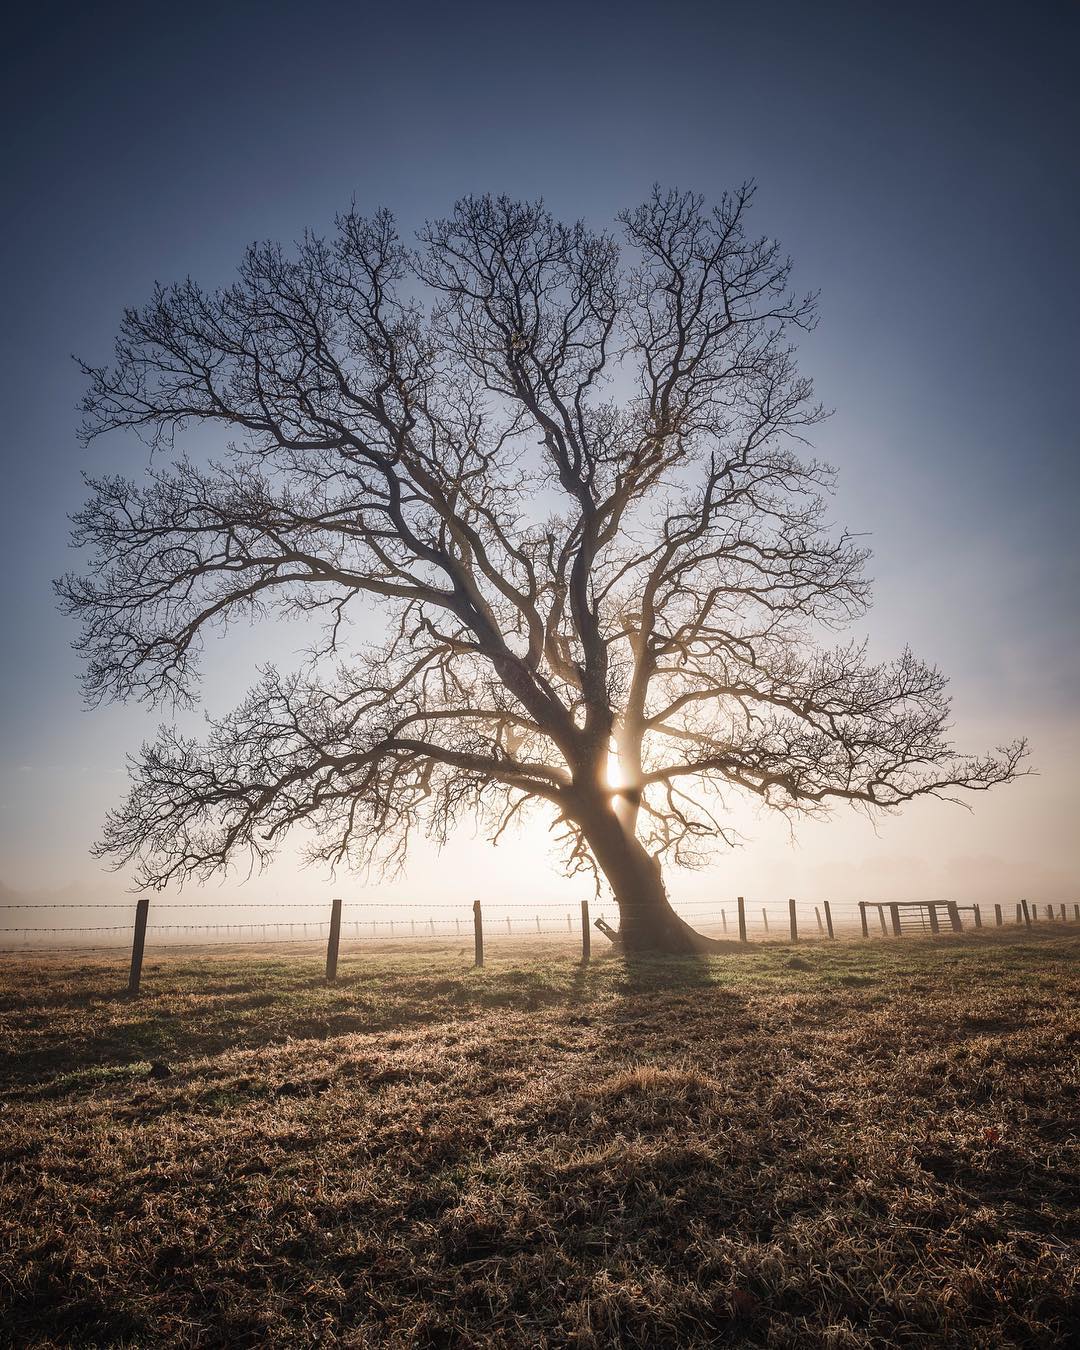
861, 1145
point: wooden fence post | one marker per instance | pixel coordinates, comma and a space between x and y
977, 912
881, 920
1076, 912
723, 918
612, 934
792, 920
1026, 914
1019, 914
138, 943
828, 919
954, 916
862, 919
333, 941
931, 911
765, 918
894, 914
817, 915
1034, 911
586, 934
997, 916
478, 933
1062, 913
742, 919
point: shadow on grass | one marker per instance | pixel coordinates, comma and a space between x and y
647, 974
57, 1021
183, 1015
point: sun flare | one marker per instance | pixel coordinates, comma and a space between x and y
615, 776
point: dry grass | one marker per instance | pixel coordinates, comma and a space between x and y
875, 1149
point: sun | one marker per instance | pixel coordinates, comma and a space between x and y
614, 771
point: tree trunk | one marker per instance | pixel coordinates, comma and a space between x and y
647, 923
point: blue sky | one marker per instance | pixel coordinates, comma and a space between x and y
918, 162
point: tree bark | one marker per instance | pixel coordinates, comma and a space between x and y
647, 923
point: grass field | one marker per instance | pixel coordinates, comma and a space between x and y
859, 1145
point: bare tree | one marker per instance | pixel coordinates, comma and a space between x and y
572, 473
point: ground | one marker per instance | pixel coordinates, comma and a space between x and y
861, 1144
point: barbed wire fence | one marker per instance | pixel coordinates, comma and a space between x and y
404, 923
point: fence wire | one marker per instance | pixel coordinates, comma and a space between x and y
805, 920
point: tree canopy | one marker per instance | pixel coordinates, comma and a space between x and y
570, 467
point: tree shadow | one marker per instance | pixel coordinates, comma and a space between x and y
642, 976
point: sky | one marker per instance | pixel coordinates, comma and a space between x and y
917, 161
